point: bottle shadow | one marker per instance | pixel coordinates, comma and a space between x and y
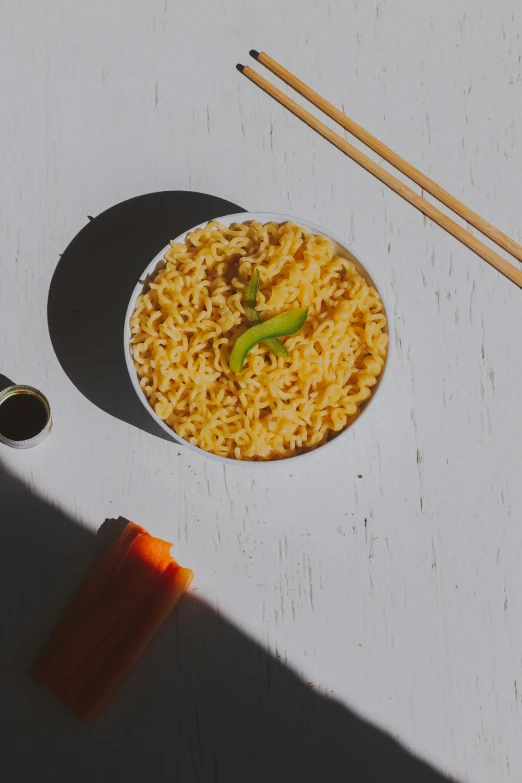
5, 382
92, 285
206, 703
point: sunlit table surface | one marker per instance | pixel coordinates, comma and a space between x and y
355, 616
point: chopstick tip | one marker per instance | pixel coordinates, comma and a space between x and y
240, 67
254, 53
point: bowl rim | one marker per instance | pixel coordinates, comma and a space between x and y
227, 220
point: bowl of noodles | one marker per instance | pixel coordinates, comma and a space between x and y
188, 310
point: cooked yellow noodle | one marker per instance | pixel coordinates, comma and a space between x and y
186, 322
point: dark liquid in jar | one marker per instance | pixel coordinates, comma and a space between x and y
22, 416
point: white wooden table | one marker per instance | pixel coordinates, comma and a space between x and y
367, 596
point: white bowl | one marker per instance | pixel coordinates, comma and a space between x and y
157, 263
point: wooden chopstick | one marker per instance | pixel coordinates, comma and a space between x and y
501, 239
428, 209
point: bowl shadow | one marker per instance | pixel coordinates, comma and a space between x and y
92, 284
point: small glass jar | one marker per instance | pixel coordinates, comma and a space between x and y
38, 418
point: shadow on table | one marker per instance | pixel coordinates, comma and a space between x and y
92, 285
5, 382
205, 704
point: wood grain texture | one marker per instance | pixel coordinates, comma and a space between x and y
400, 591
429, 210
402, 165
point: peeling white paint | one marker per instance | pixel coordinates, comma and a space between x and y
387, 570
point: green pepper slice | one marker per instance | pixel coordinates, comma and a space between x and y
286, 323
250, 302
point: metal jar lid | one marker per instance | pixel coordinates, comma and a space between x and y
27, 444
